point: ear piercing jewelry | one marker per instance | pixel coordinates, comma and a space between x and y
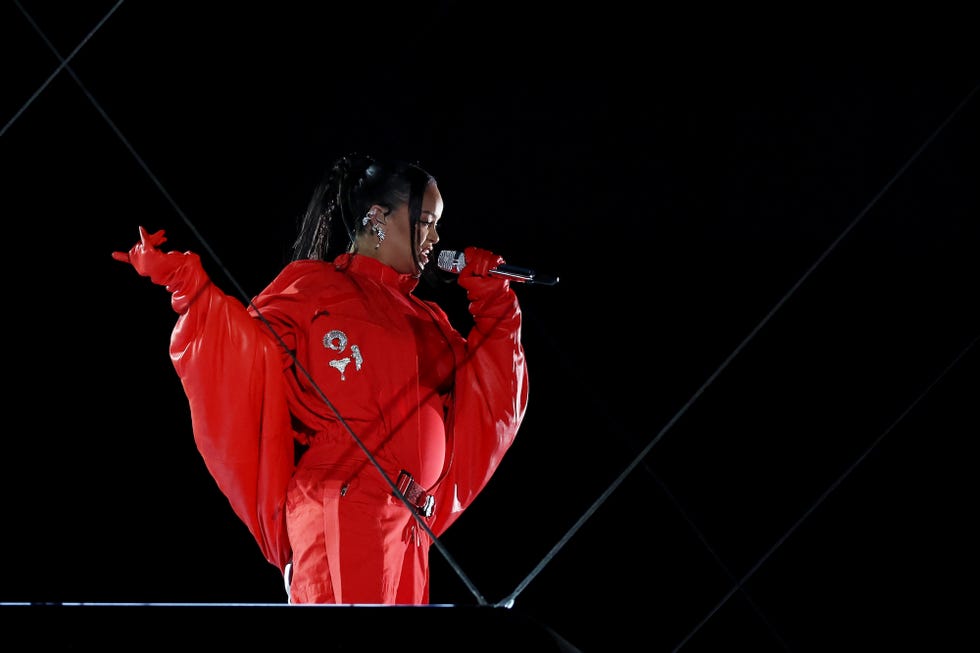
376, 229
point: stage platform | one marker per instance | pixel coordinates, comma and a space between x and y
360, 628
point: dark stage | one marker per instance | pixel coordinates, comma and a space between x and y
753, 394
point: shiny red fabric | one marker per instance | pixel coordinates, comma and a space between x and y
348, 339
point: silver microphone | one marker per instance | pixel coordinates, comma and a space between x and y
453, 261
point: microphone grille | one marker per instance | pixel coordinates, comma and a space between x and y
451, 261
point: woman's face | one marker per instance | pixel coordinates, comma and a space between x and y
395, 250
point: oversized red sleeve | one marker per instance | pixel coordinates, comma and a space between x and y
489, 398
230, 365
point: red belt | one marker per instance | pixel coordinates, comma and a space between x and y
425, 503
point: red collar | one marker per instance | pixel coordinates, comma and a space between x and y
372, 268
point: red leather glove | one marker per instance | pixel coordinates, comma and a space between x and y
180, 272
490, 296
148, 260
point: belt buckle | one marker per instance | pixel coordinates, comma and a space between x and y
427, 508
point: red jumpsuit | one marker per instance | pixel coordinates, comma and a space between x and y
416, 394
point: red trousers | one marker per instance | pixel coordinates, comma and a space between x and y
366, 536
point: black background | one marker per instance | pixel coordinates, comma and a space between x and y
756, 367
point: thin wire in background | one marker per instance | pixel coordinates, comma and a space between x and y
63, 62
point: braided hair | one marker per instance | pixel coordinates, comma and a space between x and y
352, 184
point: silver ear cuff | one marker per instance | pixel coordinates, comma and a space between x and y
376, 229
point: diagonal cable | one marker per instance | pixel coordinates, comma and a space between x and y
61, 66
508, 601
